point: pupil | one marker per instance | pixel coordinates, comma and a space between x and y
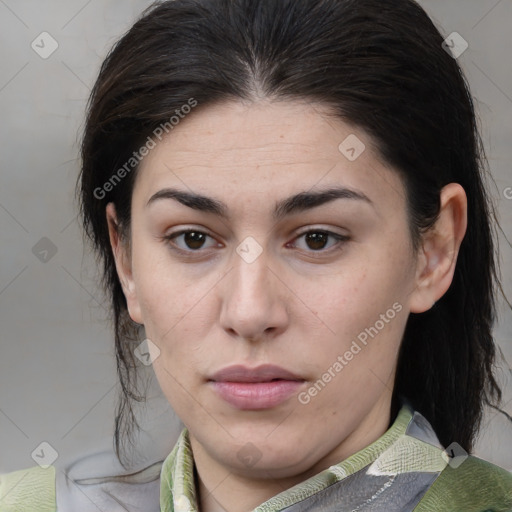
316, 240
194, 240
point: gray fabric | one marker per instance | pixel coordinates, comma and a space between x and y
85, 486
421, 429
365, 493
362, 492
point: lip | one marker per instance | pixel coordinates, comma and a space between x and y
263, 373
263, 387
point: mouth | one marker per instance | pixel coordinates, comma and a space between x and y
264, 373
264, 387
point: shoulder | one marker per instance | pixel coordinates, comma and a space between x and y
28, 490
475, 486
92, 479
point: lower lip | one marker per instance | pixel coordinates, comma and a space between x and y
257, 395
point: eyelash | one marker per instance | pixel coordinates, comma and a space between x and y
341, 239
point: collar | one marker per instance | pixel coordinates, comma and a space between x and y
407, 453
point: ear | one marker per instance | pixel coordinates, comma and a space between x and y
438, 255
122, 257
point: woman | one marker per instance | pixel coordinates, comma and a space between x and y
288, 202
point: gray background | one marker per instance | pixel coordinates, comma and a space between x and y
57, 374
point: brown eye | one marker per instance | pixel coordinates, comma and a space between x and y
319, 240
316, 241
194, 239
190, 240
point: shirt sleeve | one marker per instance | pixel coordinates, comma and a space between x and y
476, 486
28, 490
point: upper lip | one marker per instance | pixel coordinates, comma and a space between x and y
264, 373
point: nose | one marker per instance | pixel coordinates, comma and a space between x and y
254, 300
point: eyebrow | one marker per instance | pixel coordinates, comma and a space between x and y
294, 204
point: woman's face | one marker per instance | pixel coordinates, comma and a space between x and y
278, 319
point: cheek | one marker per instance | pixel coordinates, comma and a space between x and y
363, 302
348, 299
164, 291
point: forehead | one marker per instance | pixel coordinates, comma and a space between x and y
262, 149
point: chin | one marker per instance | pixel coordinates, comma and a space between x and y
263, 456
274, 467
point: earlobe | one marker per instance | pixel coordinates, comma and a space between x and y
437, 258
123, 263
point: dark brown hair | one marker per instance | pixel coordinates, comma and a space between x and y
381, 66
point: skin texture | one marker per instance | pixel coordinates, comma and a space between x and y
299, 304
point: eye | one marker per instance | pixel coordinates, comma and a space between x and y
194, 240
190, 240
320, 240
